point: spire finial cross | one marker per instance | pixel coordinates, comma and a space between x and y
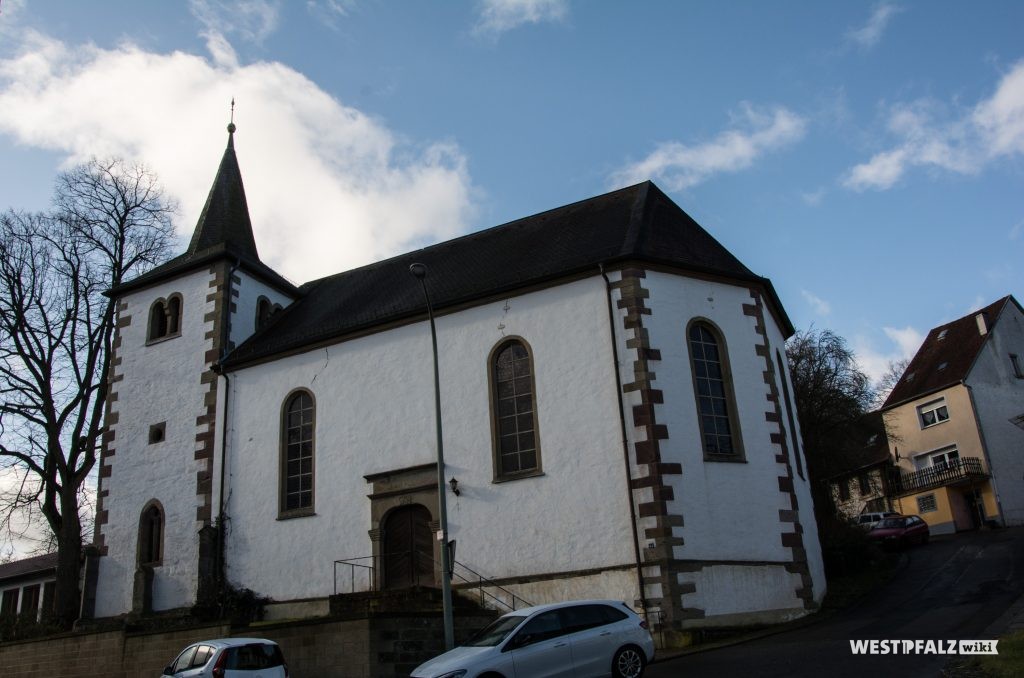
231, 124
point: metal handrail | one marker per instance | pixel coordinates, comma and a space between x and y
483, 581
937, 476
477, 580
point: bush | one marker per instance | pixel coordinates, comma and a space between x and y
846, 549
241, 606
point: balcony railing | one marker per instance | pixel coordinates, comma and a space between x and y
950, 473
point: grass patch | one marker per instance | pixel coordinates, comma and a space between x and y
1009, 663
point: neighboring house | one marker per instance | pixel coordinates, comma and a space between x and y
615, 400
27, 586
951, 422
861, 482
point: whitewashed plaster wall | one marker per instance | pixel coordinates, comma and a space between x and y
998, 396
730, 510
161, 382
250, 289
374, 413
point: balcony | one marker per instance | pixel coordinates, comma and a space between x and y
963, 470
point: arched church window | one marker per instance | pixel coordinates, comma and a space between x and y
514, 411
164, 318
151, 534
297, 433
712, 385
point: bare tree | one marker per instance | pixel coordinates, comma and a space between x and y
887, 382
832, 395
110, 222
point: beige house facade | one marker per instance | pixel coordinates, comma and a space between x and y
950, 423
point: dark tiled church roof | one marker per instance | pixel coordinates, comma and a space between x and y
946, 356
639, 223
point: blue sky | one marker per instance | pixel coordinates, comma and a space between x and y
867, 157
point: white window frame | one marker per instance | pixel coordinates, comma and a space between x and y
937, 408
927, 460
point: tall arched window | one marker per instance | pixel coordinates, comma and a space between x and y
151, 534
712, 384
297, 433
513, 408
263, 310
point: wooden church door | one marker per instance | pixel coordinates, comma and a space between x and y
408, 548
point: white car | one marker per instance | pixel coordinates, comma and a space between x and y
581, 638
229, 658
869, 521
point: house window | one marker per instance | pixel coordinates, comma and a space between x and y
844, 489
164, 318
712, 386
514, 414
151, 535
926, 504
30, 601
932, 413
1015, 361
9, 604
297, 455
941, 458
865, 484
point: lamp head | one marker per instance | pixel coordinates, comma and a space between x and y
418, 270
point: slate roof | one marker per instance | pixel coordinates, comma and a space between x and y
868, 446
946, 356
28, 566
223, 230
638, 223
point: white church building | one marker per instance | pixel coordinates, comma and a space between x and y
616, 405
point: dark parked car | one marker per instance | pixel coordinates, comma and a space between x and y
900, 531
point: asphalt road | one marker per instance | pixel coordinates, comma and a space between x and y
951, 588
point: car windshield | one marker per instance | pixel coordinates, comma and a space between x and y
495, 632
891, 522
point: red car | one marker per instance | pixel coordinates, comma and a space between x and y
900, 531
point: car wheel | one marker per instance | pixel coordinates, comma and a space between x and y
628, 662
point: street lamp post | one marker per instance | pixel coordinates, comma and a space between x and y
419, 271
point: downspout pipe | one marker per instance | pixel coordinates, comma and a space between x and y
218, 367
625, 441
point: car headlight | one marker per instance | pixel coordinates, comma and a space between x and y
453, 674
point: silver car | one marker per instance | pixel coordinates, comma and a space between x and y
229, 658
582, 638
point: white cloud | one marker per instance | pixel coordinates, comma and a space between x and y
498, 16
328, 12
328, 187
820, 306
870, 34
250, 20
813, 198
1017, 230
962, 145
755, 132
904, 343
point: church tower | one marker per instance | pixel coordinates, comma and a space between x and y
158, 500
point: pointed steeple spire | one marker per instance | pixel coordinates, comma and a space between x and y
225, 218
